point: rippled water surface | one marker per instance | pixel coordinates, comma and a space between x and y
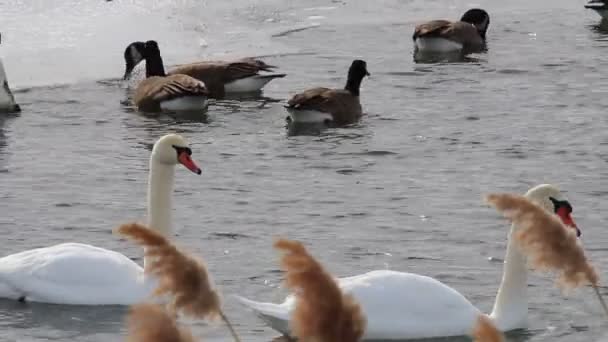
401, 190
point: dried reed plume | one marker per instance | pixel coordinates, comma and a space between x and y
547, 242
485, 331
180, 275
323, 313
151, 323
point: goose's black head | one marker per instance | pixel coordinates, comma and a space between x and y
358, 69
479, 18
137, 52
134, 53
152, 49
356, 73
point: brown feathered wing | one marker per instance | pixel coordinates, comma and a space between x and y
343, 106
457, 31
154, 90
215, 74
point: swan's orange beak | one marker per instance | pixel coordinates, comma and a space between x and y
564, 214
184, 159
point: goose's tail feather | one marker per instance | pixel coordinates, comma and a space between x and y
271, 76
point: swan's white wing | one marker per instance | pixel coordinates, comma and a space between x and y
397, 306
72, 273
405, 305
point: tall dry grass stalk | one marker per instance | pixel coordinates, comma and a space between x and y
152, 323
548, 243
323, 313
485, 331
180, 276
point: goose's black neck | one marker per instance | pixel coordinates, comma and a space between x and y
353, 83
154, 66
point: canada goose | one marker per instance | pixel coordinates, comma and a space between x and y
220, 77
441, 36
600, 6
166, 92
7, 100
339, 106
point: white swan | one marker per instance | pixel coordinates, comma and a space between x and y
402, 306
75, 273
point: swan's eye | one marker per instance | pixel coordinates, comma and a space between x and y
561, 205
563, 209
180, 150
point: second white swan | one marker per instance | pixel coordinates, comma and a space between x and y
81, 274
401, 306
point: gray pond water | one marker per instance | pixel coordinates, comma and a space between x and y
401, 190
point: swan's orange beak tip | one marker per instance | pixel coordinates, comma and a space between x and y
185, 159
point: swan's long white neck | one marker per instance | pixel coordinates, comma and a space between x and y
511, 305
160, 191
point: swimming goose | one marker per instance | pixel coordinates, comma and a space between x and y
220, 77
7, 100
600, 6
81, 274
324, 105
159, 91
401, 305
442, 36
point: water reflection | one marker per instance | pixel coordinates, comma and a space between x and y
181, 117
4, 119
305, 129
66, 320
512, 336
112, 82
236, 103
601, 28
149, 128
454, 57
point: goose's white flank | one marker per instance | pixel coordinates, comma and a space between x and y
401, 306
80, 274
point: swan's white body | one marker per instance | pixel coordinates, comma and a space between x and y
308, 116
186, 103
73, 273
7, 100
436, 45
397, 306
249, 84
401, 306
80, 274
